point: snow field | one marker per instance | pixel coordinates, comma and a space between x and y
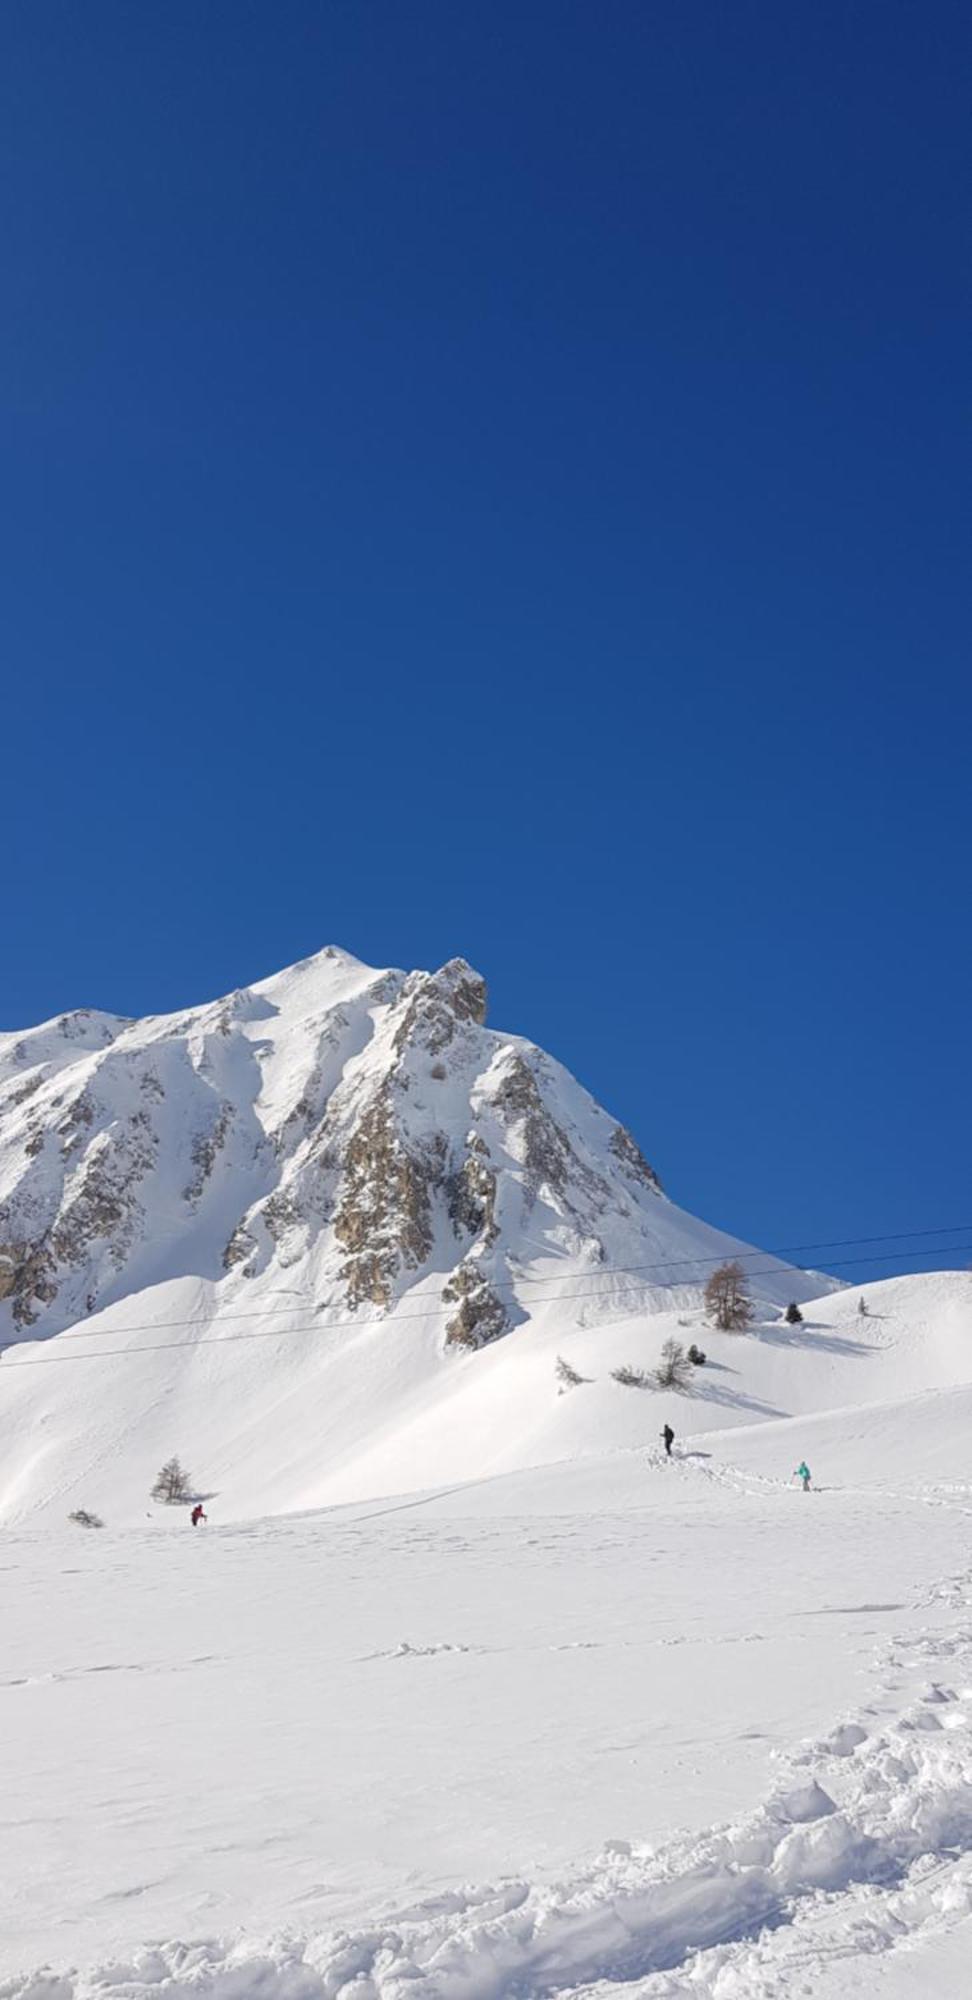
292, 1419
361, 1753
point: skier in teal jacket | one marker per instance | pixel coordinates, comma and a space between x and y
803, 1473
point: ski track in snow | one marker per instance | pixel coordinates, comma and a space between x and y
111, 1667
862, 1847
406, 1651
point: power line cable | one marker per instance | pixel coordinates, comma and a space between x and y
356, 1326
603, 1274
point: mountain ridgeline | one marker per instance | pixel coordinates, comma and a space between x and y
361, 1129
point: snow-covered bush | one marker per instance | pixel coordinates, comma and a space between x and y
633, 1378
83, 1518
674, 1367
173, 1484
567, 1376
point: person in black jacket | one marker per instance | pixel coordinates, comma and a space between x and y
669, 1436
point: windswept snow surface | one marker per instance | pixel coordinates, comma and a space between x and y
672, 1728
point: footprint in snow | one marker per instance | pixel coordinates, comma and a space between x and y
406, 1651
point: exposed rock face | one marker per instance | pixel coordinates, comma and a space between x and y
546, 1149
206, 1146
96, 1212
479, 1316
436, 1004
632, 1159
384, 1220
240, 1249
472, 1193
26, 1280
362, 1131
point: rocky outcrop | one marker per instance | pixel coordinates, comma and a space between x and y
479, 1316
391, 1180
437, 1005
545, 1148
632, 1160
206, 1148
26, 1280
240, 1248
471, 1193
383, 1220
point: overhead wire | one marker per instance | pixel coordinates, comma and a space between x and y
319, 1326
604, 1273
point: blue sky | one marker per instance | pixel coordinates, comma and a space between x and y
490, 479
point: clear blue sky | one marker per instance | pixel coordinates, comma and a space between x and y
490, 478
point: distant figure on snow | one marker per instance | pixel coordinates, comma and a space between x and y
669, 1436
803, 1474
197, 1514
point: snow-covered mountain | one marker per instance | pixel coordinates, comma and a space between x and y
328, 1240
333, 1151
357, 1130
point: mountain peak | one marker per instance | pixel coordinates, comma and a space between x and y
359, 1131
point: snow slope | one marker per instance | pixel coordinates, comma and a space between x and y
675, 1728
274, 1421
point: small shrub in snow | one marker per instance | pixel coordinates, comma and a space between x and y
726, 1298
793, 1316
674, 1368
567, 1376
862, 1307
633, 1378
173, 1484
696, 1356
83, 1518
